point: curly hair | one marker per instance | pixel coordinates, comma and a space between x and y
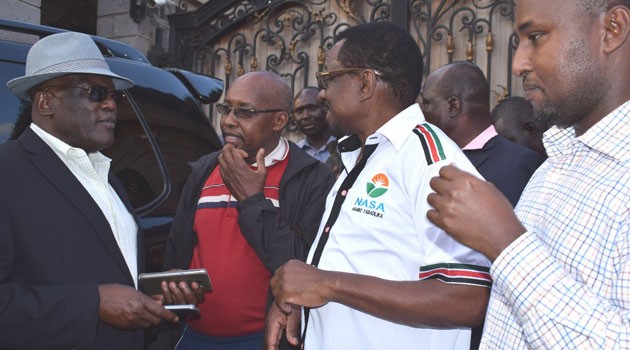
389, 49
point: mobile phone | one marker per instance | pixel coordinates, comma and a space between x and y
151, 282
183, 310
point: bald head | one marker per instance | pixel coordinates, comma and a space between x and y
268, 98
267, 86
466, 81
455, 97
514, 119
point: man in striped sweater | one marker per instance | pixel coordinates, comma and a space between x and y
243, 212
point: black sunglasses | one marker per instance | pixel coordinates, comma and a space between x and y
242, 113
96, 93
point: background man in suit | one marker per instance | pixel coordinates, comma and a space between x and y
514, 119
71, 250
456, 98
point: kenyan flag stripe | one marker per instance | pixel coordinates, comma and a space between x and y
457, 274
425, 146
430, 143
437, 141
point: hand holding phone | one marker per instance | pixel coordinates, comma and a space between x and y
183, 311
151, 282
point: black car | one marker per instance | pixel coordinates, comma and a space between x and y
160, 128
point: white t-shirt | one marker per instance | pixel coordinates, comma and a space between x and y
382, 230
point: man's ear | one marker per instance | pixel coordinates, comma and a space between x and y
368, 81
617, 26
454, 106
43, 104
281, 119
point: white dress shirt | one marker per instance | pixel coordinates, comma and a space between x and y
92, 172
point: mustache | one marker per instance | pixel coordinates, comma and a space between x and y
528, 85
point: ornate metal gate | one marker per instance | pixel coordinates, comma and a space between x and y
227, 38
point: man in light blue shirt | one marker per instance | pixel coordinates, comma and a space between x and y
310, 115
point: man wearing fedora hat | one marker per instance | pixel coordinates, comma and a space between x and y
71, 250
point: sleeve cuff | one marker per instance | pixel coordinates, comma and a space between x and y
250, 201
455, 273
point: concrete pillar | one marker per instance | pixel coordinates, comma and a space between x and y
115, 23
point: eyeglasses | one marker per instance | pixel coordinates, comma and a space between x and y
324, 77
96, 93
242, 113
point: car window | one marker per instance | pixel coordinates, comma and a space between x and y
178, 124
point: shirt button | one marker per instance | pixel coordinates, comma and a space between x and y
327, 229
343, 193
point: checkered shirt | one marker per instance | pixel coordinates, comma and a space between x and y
565, 284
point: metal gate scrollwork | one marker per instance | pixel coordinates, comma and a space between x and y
227, 38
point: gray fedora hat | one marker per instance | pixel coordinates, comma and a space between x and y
62, 54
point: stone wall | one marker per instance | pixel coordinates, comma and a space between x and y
20, 10
115, 23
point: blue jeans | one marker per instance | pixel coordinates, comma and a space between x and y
192, 340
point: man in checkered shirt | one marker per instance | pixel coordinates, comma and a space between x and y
561, 265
